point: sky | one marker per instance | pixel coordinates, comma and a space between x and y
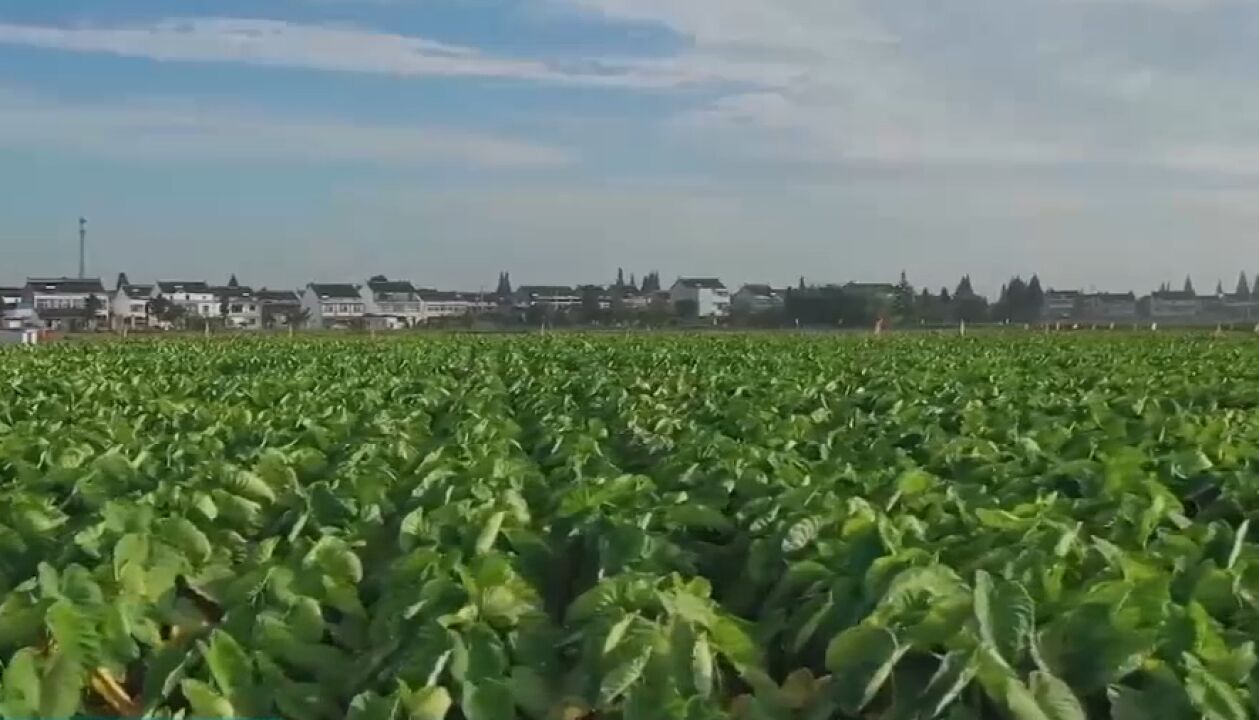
1109, 144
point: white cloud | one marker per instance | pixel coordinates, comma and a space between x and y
992, 82
161, 128
346, 49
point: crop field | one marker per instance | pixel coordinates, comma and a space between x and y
638, 528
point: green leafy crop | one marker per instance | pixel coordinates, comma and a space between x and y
631, 528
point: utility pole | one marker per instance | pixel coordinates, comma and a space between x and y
82, 247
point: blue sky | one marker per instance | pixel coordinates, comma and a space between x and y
1108, 143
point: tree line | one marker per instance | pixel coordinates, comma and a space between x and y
902, 304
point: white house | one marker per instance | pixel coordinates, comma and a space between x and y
755, 298
710, 295
1061, 304
333, 305
1109, 307
129, 305
195, 297
276, 307
442, 303
64, 303
551, 296
244, 310
10, 302
1174, 305
392, 304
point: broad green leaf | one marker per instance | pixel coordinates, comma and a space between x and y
22, 685
61, 686
487, 699
1239, 542
163, 671
428, 703
306, 701
617, 681
249, 485
617, 633
954, 675
1055, 698
861, 659
1005, 615
702, 666
186, 536
531, 692
800, 535
915, 482
337, 559
132, 548
205, 702
489, 532
229, 665
1210, 695
370, 706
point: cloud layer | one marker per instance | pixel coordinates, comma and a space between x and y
1162, 83
167, 128
280, 43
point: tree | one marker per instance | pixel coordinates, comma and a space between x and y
633, 284
971, 308
1035, 299
620, 278
504, 285
1219, 288
590, 297
296, 317
651, 282
1014, 303
122, 280
165, 311
964, 287
930, 308
231, 282
831, 305
687, 308
903, 304
1243, 288
1189, 286
91, 307
801, 286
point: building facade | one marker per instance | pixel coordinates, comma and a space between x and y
1174, 306
1061, 304
333, 306
1108, 307
709, 295
392, 304
239, 307
194, 298
277, 308
129, 307
556, 297
754, 298
64, 303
